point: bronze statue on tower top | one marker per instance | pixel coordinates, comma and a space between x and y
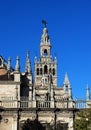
44, 23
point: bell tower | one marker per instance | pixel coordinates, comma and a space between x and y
45, 46
45, 66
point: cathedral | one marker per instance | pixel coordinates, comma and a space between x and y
23, 96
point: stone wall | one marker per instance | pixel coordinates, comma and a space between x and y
14, 119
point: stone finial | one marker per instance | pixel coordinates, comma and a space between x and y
28, 64
88, 92
17, 67
9, 64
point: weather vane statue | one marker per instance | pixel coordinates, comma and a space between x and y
44, 23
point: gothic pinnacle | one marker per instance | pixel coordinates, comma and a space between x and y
17, 67
9, 62
28, 65
66, 80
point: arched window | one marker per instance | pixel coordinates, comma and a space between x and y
49, 70
37, 71
40, 71
53, 71
47, 97
45, 52
45, 69
66, 88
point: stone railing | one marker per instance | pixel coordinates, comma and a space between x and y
43, 104
65, 104
61, 104
8, 102
12, 102
81, 103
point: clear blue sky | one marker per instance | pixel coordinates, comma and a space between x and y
69, 25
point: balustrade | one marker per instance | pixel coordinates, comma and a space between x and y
12, 102
43, 104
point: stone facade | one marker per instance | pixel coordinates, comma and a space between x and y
22, 97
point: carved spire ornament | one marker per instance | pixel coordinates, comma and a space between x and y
28, 64
17, 67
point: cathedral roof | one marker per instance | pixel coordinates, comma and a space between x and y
4, 75
3, 71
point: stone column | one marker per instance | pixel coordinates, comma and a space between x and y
34, 98
30, 96
70, 126
15, 120
52, 99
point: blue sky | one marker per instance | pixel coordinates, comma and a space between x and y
69, 25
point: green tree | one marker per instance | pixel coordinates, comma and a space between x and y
61, 126
83, 120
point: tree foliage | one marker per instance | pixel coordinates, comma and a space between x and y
36, 125
58, 126
32, 125
61, 126
83, 120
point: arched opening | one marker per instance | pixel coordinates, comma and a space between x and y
37, 71
47, 97
45, 52
45, 69
40, 71
53, 71
24, 91
49, 70
24, 95
66, 88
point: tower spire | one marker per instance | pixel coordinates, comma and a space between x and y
28, 64
66, 80
45, 40
67, 86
